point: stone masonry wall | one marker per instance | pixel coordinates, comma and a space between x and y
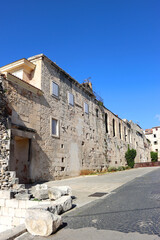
82, 142
6, 177
81, 136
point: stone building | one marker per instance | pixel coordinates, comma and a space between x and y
153, 135
52, 127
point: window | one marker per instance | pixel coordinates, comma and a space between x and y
155, 143
106, 122
154, 135
129, 136
55, 89
86, 108
119, 130
125, 135
71, 99
156, 150
96, 112
113, 128
54, 127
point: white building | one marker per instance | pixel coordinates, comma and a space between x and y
154, 136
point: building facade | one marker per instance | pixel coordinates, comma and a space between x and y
153, 135
57, 127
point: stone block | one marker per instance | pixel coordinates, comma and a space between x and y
63, 204
41, 187
11, 212
4, 194
16, 221
46, 207
12, 203
41, 194
12, 233
54, 193
18, 213
30, 204
4, 211
23, 196
2, 202
22, 203
65, 190
6, 220
42, 223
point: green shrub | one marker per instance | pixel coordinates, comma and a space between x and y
120, 168
112, 169
154, 156
128, 167
130, 156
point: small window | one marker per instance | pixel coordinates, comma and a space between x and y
54, 129
86, 108
55, 89
156, 150
113, 121
119, 130
106, 122
154, 135
96, 112
71, 99
155, 142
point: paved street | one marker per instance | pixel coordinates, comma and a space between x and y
130, 212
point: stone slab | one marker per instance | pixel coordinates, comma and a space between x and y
13, 233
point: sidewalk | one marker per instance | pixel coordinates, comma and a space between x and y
84, 186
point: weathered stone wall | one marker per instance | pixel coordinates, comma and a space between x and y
5, 176
82, 142
25, 126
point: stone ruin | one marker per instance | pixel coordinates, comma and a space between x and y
8, 178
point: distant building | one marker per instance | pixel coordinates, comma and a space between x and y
153, 135
52, 127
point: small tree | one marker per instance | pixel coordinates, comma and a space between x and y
154, 156
130, 156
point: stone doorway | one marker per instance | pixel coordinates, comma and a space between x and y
20, 158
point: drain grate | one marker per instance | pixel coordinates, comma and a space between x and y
98, 194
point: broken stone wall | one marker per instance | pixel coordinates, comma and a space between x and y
5, 175
25, 126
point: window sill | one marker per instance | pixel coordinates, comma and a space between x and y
55, 136
55, 96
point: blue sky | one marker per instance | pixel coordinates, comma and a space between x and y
115, 42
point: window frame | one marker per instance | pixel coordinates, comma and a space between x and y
57, 127
70, 94
86, 105
54, 95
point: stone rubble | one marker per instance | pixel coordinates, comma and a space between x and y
44, 219
42, 223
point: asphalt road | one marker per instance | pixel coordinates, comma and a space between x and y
131, 212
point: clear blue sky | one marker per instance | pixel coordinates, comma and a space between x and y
115, 42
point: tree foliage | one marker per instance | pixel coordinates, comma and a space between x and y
154, 156
130, 156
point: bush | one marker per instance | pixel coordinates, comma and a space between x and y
130, 156
112, 169
120, 168
154, 156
